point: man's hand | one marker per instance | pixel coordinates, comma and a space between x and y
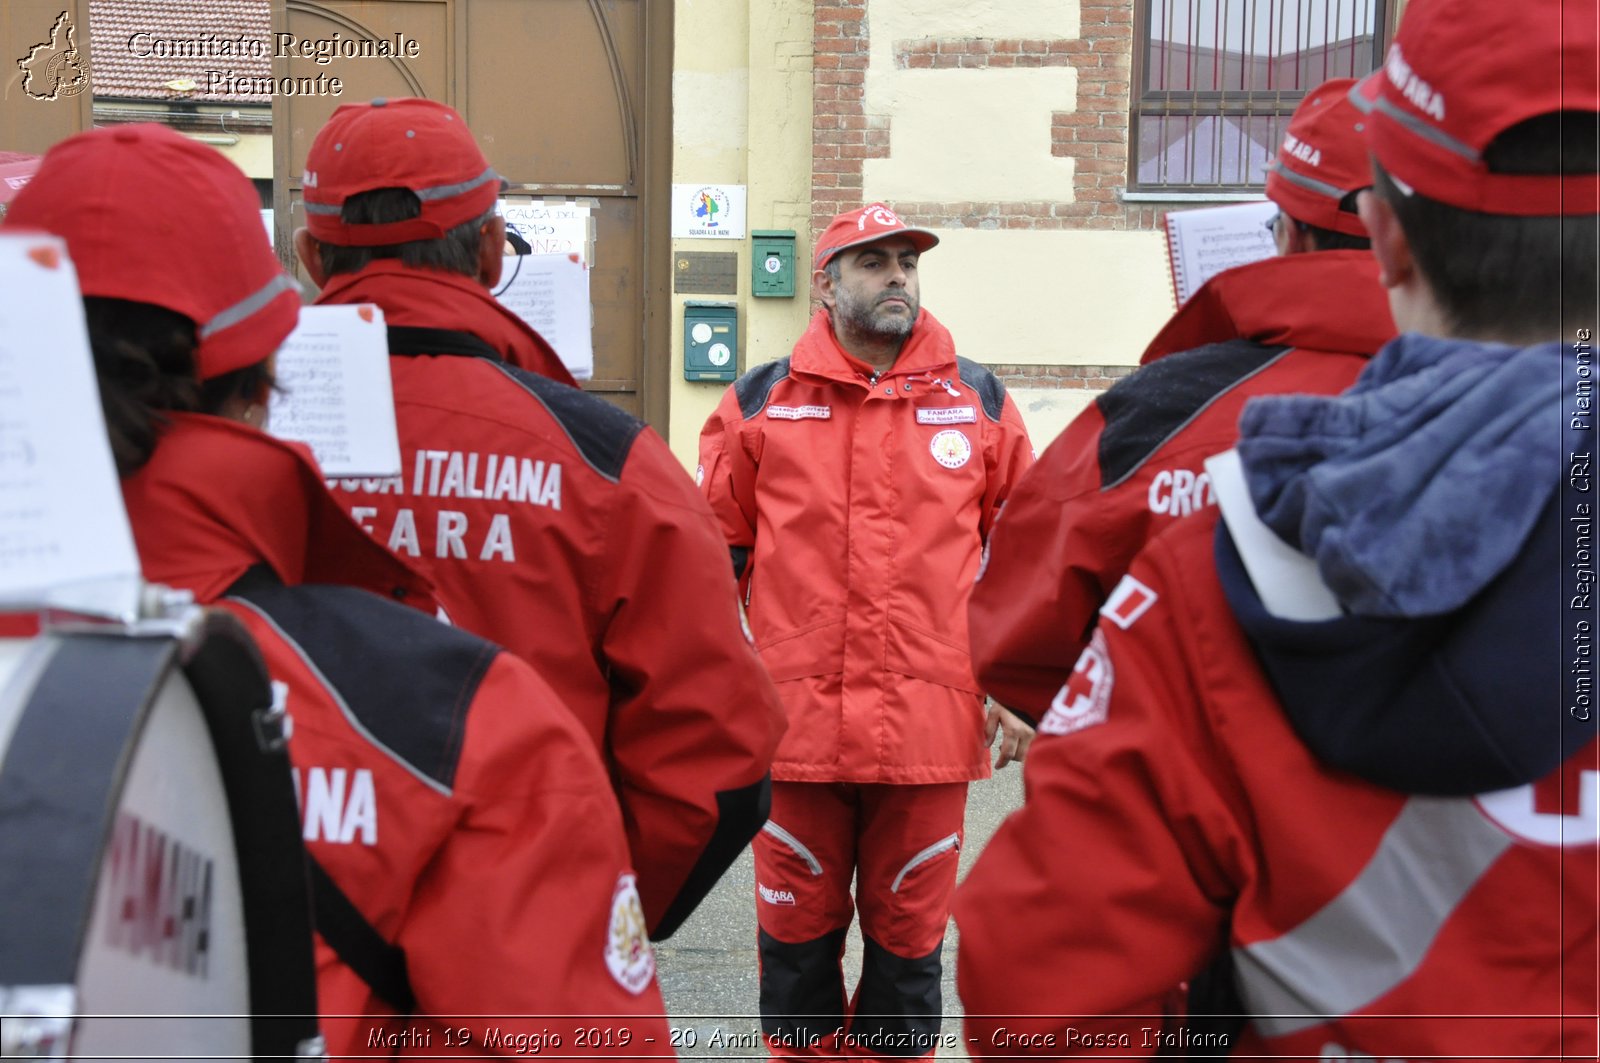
1015, 738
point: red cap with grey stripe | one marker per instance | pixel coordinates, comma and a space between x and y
416, 144
1460, 73
1322, 160
151, 216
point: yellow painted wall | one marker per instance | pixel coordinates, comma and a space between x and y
252, 154
1048, 297
741, 104
969, 135
1046, 411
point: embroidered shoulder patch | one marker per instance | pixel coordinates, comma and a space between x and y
628, 954
1128, 602
1083, 701
950, 448
800, 413
947, 415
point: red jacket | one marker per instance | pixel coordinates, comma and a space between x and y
444, 787
1172, 814
1131, 464
861, 504
562, 528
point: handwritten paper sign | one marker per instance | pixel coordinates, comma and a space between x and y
552, 228
1207, 241
551, 294
65, 541
334, 392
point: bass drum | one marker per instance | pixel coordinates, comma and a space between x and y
151, 869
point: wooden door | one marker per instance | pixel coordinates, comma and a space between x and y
568, 98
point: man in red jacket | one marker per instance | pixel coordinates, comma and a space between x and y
1336, 736
1131, 464
545, 517
856, 482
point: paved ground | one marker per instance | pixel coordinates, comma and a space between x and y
708, 969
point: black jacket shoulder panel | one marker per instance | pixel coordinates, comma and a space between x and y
412, 340
1151, 405
602, 433
988, 386
755, 387
405, 679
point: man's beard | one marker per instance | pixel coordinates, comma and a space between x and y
862, 318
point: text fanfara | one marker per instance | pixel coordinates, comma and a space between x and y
466, 475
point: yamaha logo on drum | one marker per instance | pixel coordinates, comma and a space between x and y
160, 898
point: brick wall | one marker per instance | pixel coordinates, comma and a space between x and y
840, 135
1095, 135
1082, 377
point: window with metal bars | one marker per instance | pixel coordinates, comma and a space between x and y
1216, 82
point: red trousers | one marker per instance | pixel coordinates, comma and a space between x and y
901, 845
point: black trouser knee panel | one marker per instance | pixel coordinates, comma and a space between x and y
900, 1004
802, 991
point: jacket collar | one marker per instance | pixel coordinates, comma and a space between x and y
217, 498
1321, 300
431, 298
930, 349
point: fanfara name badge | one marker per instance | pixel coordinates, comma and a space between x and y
628, 953
951, 448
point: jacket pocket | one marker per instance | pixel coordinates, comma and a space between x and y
923, 655
817, 649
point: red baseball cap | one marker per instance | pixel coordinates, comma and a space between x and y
1322, 160
408, 143
151, 216
1460, 73
864, 226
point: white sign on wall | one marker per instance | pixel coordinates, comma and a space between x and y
708, 212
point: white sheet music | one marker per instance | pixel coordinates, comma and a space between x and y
334, 391
1206, 241
551, 293
65, 541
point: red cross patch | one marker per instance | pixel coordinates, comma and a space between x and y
1128, 602
1084, 700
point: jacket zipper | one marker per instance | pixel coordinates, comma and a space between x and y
943, 845
794, 843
